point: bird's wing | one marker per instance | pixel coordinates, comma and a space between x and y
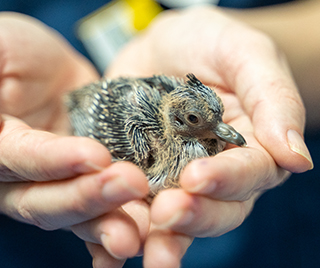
144, 119
78, 103
99, 111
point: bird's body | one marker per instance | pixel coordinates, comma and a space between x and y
158, 123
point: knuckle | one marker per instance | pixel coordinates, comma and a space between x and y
243, 213
29, 215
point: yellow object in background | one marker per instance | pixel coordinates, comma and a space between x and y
143, 12
105, 31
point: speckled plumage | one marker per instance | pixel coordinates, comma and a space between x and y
158, 123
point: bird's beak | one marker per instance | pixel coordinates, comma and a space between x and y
229, 134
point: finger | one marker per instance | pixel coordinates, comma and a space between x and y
52, 205
165, 249
259, 76
139, 211
233, 175
196, 215
115, 231
33, 155
101, 258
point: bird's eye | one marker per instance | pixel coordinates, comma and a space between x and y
193, 119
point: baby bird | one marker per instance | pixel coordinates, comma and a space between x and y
158, 123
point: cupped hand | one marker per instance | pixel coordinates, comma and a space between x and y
37, 66
261, 101
55, 181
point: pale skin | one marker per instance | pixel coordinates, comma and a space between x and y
294, 28
216, 194
73, 173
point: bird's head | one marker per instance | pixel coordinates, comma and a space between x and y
194, 110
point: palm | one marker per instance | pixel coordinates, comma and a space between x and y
39, 67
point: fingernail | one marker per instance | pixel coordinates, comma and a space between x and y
86, 167
105, 240
297, 145
181, 218
117, 187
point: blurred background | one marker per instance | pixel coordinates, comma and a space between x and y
282, 231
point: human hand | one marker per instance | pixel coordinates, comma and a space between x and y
56, 181
261, 101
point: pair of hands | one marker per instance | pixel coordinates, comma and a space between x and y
56, 181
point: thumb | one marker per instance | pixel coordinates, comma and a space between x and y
28, 154
267, 91
278, 121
